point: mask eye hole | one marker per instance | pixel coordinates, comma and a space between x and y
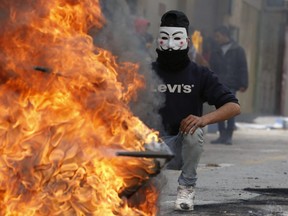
164, 38
177, 38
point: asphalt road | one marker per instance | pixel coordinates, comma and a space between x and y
248, 178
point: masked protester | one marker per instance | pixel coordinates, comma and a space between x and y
186, 87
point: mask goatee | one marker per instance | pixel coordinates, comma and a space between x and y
173, 60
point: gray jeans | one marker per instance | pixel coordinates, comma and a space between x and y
187, 149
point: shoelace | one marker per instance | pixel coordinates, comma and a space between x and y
185, 193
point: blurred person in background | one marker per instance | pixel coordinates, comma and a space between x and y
208, 46
186, 87
229, 62
145, 38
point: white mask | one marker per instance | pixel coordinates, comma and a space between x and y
172, 38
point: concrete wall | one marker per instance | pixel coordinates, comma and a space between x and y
284, 83
248, 39
204, 15
268, 88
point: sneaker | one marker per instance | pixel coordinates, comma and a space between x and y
185, 198
228, 141
219, 140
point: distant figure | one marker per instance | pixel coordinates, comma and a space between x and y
208, 46
141, 28
228, 60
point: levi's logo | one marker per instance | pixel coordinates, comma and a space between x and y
176, 88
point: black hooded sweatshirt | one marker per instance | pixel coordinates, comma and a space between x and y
187, 87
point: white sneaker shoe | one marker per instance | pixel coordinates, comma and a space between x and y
185, 198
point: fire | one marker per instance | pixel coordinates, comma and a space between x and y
64, 113
197, 41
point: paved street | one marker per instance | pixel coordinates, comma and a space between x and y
249, 178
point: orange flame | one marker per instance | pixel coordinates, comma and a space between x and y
197, 41
64, 113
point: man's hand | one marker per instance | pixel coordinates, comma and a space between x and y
191, 123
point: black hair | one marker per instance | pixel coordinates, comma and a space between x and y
224, 30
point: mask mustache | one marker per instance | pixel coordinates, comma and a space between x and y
169, 49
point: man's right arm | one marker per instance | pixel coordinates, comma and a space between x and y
192, 122
223, 113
